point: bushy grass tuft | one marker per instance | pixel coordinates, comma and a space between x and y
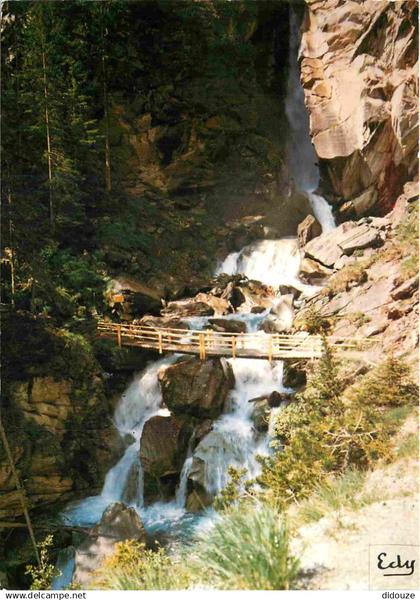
335, 494
248, 549
132, 567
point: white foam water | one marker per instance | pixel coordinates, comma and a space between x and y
141, 401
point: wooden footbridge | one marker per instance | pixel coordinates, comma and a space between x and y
209, 343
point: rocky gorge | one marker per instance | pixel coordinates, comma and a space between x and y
240, 237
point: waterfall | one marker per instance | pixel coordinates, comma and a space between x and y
273, 262
141, 401
233, 439
302, 157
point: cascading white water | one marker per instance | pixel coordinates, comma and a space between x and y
274, 262
302, 156
141, 401
233, 440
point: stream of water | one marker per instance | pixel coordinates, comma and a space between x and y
233, 439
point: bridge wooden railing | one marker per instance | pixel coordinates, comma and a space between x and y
207, 343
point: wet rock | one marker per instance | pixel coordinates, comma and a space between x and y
197, 388
228, 325
294, 375
235, 296
262, 406
163, 449
161, 322
187, 308
256, 310
308, 229
221, 306
118, 523
286, 290
162, 446
261, 413
198, 500
202, 429
281, 316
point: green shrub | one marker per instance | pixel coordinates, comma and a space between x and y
132, 567
42, 575
318, 435
313, 322
248, 549
232, 492
389, 384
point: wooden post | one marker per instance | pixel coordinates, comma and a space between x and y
202, 346
119, 335
233, 346
20, 489
270, 348
160, 342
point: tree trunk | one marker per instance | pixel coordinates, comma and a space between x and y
11, 251
108, 181
48, 135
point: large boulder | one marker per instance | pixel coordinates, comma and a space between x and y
329, 247
162, 453
197, 388
281, 316
130, 298
228, 325
312, 271
118, 523
187, 308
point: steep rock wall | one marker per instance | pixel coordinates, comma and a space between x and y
359, 73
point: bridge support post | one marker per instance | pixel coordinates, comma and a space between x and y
119, 336
202, 346
270, 348
233, 346
160, 342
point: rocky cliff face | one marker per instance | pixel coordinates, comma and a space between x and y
358, 69
56, 408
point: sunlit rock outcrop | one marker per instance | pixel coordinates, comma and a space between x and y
359, 73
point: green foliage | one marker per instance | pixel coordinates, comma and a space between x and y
132, 567
313, 322
43, 574
232, 491
248, 549
319, 435
387, 385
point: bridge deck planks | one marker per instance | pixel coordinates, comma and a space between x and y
209, 343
